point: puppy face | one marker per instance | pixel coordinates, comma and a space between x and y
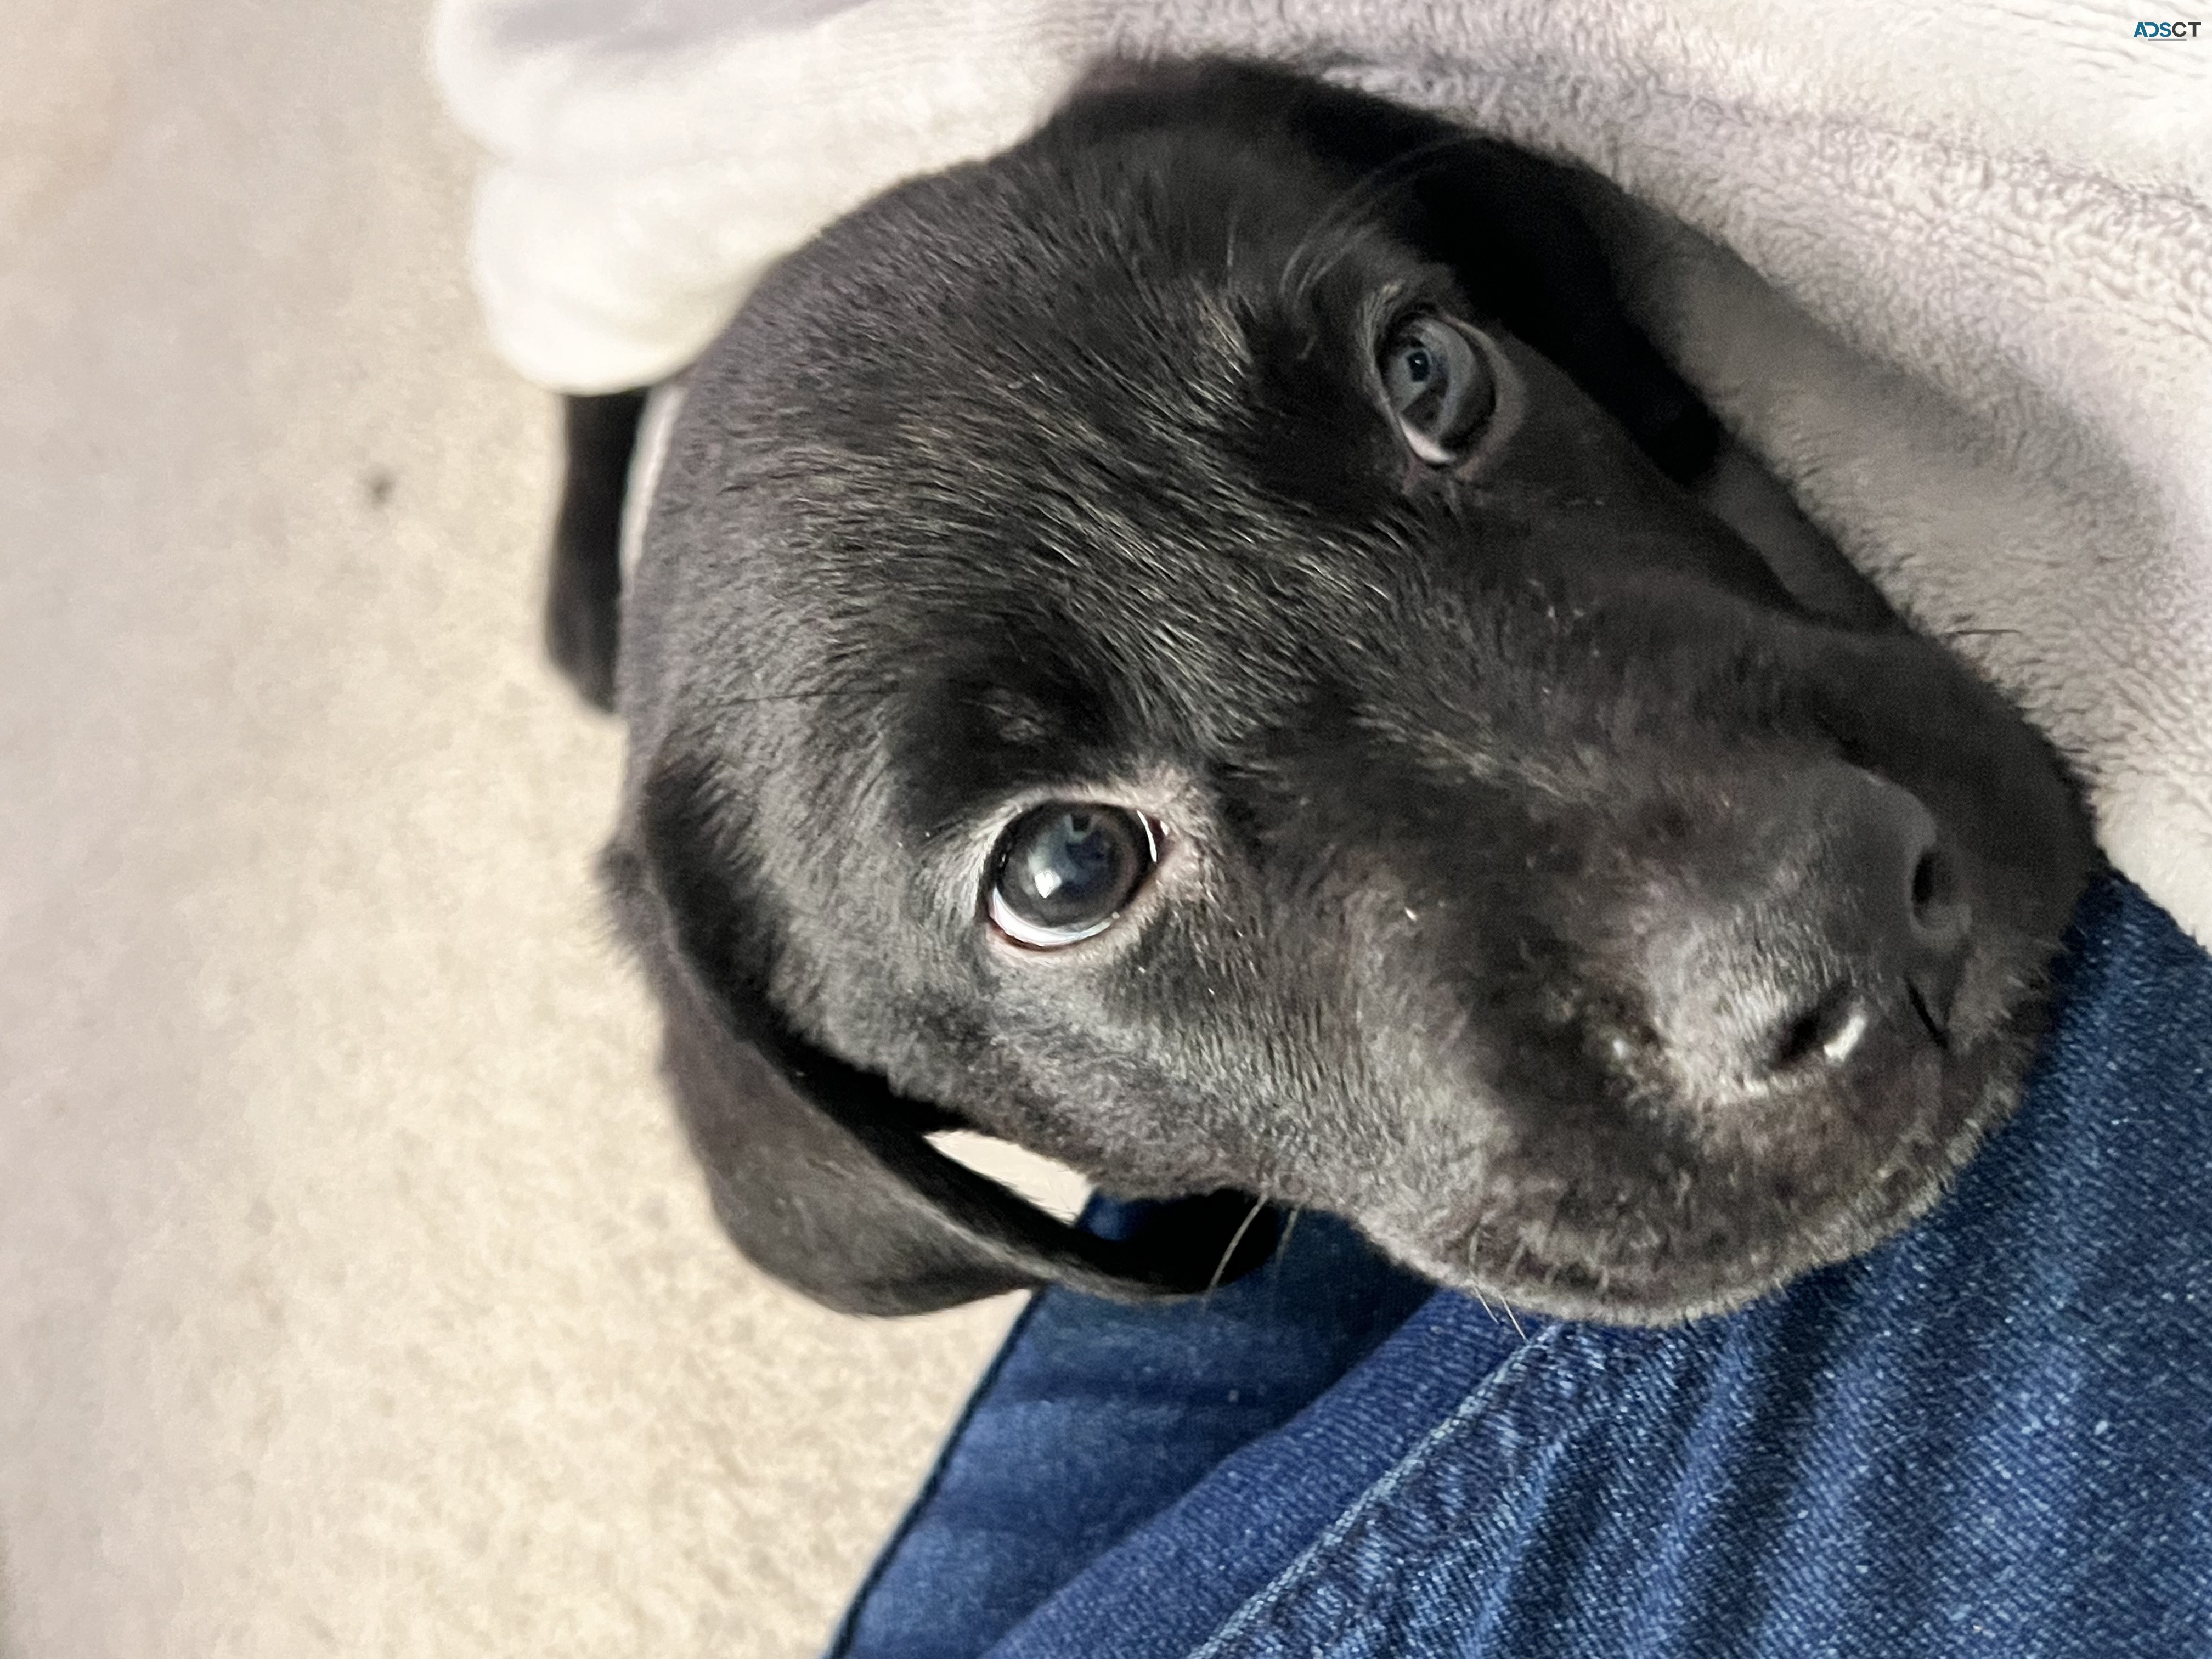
1177, 646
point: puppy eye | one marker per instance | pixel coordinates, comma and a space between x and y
1064, 871
1438, 385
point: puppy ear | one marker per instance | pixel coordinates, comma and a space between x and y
1516, 229
583, 589
822, 1173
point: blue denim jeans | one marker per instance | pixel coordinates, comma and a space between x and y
1992, 1435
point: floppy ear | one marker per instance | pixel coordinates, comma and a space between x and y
583, 588
1515, 229
820, 1172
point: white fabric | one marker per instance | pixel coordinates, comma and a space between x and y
1957, 289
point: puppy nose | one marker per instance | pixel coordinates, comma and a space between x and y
1847, 919
1882, 889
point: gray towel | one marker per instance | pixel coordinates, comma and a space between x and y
1947, 270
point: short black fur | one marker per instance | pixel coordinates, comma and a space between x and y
1545, 886
583, 593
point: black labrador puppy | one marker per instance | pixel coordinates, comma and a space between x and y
1186, 647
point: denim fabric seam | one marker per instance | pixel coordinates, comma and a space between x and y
1377, 1498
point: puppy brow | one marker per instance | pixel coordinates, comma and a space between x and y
1363, 192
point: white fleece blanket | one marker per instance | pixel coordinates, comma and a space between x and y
1946, 267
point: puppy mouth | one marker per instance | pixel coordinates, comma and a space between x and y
1773, 1139
1683, 1066
1712, 1230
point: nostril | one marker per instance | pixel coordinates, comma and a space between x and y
1826, 1033
1939, 911
1927, 877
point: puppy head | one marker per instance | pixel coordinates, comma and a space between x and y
1178, 647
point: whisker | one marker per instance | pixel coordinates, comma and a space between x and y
1235, 1239
1356, 196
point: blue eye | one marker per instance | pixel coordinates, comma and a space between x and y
1066, 871
1438, 387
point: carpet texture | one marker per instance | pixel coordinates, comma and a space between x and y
356, 1296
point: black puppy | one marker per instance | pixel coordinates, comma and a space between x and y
1183, 647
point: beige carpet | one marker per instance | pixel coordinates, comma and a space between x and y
355, 1296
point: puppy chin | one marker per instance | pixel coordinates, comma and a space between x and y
1730, 1229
